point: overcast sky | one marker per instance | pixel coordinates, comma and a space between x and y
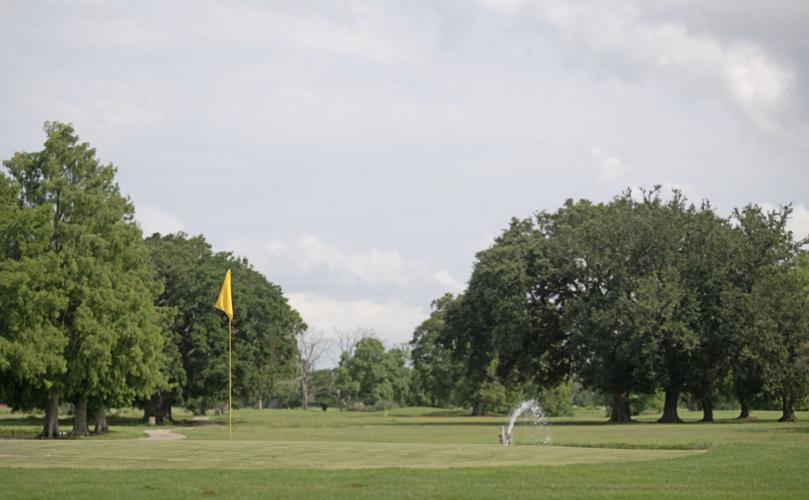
360, 153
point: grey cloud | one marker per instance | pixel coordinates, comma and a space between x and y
410, 128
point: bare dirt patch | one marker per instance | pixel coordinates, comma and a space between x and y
162, 435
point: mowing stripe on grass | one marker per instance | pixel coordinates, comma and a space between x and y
141, 454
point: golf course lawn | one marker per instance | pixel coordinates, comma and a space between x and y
411, 452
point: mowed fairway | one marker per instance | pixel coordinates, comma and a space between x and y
415, 453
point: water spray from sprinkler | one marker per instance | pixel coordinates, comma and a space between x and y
530, 407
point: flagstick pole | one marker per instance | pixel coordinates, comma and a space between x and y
230, 383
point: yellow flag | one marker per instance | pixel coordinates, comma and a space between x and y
224, 302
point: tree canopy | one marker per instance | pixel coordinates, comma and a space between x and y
95, 315
639, 294
264, 325
82, 258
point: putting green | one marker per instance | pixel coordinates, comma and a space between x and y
144, 454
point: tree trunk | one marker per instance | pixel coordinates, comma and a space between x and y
788, 411
101, 420
159, 407
260, 404
165, 408
670, 415
50, 428
477, 406
148, 409
620, 408
745, 413
707, 409
305, 393
80, 418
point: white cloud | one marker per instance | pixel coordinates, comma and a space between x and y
758, 84
621, 36
126, 107
307, 254
446, 280
378, 267
504, 6
399, 132
799, 223
153, 220
358, 30
392, 321
610, 168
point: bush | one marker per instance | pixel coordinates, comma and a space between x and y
355, 406
587, 398
558, 401
385, 405
285, 394
493, 395
647, 403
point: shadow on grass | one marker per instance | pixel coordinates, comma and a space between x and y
790, 427
112, 420
638, 446
725, 421
22, 421
444, 413
487, 423
568, 423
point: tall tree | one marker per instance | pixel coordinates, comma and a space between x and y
373, 375
32, 344
437, 377
311, 347
706, 262
109, 320
183, 266
264, 325
667, 307
762, 243
780, 301
264, 334
499, 330
612, 350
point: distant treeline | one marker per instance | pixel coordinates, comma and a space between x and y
94, 315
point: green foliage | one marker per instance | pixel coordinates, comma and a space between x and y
85, 315
558, 401
706, 261
494, 397
640, 404
324, 385
763, 244
506, 326
31, 343
607, 318
372, 375
586, 398
629, 297
781, 321
98, 333
264, 326
284, 394
437, 379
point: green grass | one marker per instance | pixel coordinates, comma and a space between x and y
411, 453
